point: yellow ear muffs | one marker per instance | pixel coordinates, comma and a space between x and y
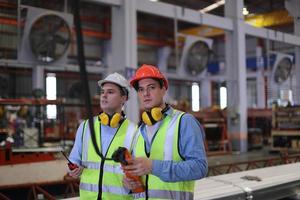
110, 121
156, 113
147, 118
153, 116
115, 120
104, 118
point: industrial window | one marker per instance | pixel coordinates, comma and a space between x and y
223, 97
195, 97
51, 95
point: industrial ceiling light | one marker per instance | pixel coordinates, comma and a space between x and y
154, 0
212, 6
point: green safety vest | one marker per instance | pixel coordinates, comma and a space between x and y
164, 147
103, 178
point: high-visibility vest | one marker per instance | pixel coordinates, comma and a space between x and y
164, 147
102, 179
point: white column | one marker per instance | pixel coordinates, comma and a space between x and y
260, 79
296, 88
293, 6
163, 54
107, 54
38, 78
205, 95
236, 77
124, 48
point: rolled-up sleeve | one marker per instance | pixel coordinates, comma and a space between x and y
76, 152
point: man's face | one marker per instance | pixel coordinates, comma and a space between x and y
150, 93
111, 100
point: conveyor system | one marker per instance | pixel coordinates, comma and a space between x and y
268, 183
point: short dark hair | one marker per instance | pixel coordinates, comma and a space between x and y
124, 91
160, 82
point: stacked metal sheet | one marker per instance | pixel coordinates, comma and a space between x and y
266, 183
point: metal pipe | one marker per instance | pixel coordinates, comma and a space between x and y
19, 29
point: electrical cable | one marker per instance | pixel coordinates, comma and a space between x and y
83, 75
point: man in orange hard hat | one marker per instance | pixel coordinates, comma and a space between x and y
169, 150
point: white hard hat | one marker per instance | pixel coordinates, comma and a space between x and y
117, 79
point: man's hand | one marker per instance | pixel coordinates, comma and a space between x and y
139, 166
130, 183
75, 173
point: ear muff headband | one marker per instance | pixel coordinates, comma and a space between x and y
147, 118
110, 121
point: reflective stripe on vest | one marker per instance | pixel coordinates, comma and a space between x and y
169, 142
165, 147
107, 167
162, 194
109, 189
112, 187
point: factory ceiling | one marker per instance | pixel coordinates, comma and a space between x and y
96, 19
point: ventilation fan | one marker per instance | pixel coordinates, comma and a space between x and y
49, 38
282, 68
195, 55
197, 58
46, 37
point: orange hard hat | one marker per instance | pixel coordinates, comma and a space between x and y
148, 71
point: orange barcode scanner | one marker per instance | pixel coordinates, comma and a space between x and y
70, 164
122, 156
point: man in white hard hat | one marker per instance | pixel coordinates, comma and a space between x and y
101, 178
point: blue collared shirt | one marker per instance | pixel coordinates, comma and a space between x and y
191, 148
107, 134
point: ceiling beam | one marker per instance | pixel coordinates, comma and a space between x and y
107, 2
183, 14
276, 18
